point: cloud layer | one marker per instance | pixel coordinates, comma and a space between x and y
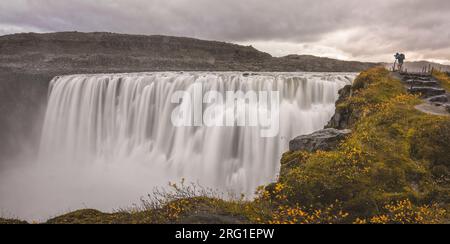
349, 29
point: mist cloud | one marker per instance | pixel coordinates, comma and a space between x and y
351, 29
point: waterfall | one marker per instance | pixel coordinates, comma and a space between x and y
125, 119
108, 139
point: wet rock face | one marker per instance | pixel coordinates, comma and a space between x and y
341, 117
325, 140
22, 104
345, 92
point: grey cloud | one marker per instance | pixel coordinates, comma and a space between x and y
381, 26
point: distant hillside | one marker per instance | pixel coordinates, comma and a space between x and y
313, 63
68, 52
417, 66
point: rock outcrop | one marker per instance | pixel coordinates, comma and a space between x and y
324, 140
341, 117
344, 93
335, 131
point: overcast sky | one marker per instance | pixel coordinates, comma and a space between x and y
346, 29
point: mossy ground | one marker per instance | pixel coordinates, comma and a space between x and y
393, 168
394, 154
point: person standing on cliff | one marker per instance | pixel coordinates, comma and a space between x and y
399, 59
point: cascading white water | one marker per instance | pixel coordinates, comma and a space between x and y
109, 137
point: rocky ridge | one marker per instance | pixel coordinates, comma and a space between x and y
76, 52
328, 138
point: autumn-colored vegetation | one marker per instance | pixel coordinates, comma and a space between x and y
405, 212
443, 78
395, 154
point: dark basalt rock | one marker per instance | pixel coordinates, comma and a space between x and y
325, 140
345, 92
341, 116
416, 76
426, 91
439, 99
340, 119
414, 82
